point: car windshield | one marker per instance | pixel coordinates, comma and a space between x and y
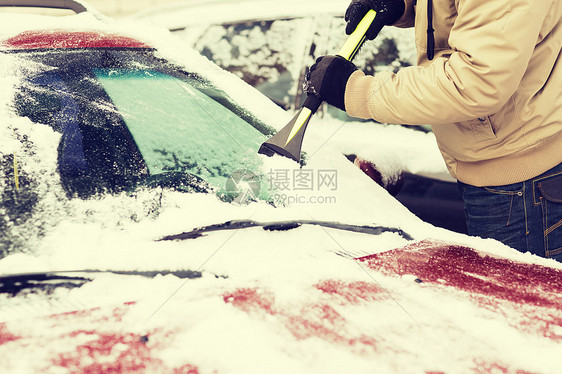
179, 128
127, 118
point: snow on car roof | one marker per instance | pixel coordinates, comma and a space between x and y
54, 39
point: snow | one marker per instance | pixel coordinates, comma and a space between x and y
261, 304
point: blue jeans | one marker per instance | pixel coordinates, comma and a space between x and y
526, 216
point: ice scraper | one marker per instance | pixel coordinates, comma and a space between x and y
288, 141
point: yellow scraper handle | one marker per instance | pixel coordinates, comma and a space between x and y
356, 39
288, 141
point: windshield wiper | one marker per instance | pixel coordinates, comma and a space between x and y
47, 281
284, 226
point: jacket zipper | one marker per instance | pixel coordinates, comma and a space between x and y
430, 36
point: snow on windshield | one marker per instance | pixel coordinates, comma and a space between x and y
195, 137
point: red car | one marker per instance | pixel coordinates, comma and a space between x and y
142, 232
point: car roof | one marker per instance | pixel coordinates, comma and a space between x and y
23, 31
201, 12
65, 39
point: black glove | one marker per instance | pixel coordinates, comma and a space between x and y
388, 12
327, 79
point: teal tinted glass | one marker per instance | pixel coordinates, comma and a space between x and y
180, 125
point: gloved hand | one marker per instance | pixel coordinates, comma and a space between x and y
327, 79
388, 12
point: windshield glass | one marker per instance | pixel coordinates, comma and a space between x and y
179, 128
129, 118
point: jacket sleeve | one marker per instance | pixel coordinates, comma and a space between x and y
491, 43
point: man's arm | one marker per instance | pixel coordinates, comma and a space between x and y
491, 42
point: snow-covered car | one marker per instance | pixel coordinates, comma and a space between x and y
138, 237
269, 44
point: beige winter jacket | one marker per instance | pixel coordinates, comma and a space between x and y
493, 92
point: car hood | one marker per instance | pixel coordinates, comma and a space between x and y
428, 306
